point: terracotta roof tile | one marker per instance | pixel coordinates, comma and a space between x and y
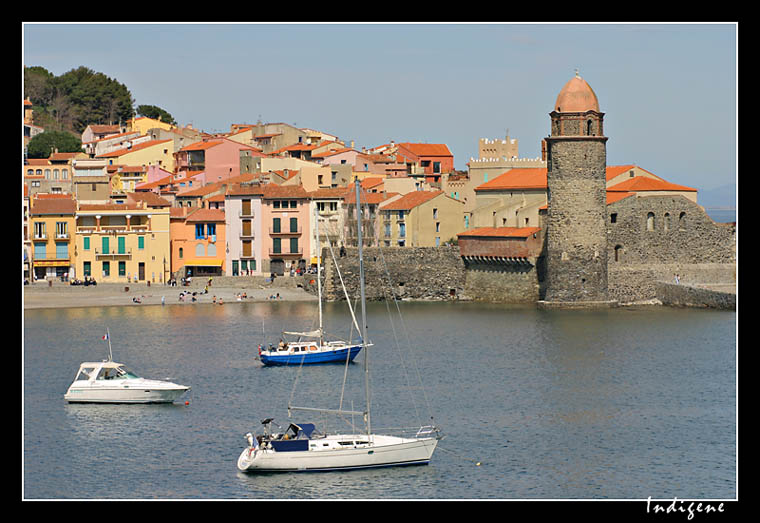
501, 232
206, 215
520, 178
411, 200
427, 149
641, 184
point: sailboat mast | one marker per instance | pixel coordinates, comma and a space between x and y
319, 276
110, 353
364, 312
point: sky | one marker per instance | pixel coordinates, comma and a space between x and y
668, 91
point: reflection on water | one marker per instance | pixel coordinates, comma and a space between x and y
623, 403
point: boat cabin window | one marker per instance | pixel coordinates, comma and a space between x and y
119, 373
85, 373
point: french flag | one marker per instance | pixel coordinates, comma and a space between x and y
105, 336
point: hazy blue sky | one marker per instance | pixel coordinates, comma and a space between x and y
668, 91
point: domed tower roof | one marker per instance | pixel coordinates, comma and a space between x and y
576, 97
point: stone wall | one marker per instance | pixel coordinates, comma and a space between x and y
418, 273
576, 254
652, 239
689, 296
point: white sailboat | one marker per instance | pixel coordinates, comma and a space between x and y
301, 447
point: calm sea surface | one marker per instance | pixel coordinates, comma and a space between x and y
614, 404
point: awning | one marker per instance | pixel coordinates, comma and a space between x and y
200, 262
51, 263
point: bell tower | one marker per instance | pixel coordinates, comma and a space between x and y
576, 237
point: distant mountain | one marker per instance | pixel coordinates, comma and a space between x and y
723, 197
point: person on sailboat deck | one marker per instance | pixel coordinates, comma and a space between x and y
282, 345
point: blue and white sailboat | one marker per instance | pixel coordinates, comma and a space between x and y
314, 349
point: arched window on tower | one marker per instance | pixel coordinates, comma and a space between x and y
618, 253
589, 127
682, 221
650, 221
666, 222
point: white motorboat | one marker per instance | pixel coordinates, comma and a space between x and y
110, 382
302, 448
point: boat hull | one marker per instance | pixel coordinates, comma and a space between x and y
309, 358
136, 393
385, 451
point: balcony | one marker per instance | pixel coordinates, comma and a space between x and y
278, 254
246, 235
113, 255
245, 214
272, 232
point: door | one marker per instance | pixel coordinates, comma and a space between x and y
141, 271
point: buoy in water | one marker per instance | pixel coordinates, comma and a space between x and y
477, 464
188, 403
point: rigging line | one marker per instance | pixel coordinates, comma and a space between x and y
348, 300
406, 333
395, 337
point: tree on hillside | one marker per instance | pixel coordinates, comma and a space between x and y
151, 111
41, 145
96, 98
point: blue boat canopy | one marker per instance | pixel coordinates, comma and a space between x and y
302, 429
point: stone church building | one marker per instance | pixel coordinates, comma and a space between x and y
605, 235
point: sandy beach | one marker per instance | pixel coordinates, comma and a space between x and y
41, 294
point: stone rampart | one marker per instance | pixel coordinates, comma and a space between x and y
679, 295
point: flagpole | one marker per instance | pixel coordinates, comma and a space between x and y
110, 354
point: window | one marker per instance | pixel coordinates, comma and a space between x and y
402, 230
294, 245
211, 250
437, 241
277, 245
122, 249
437, 226
104, 245
211, 229
401, 215
39, 230
87, 268
682, 221
436, 167
39, 251
294, 225
613, 217
106, 269
141, 242
666, 222
618, 252
122, 268
86, 243
650, 221
435, 214
198, 231
181, 253
61, 250
275, 225
199, 250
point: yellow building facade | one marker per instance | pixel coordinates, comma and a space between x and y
52, 229
155, 152
122, 243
